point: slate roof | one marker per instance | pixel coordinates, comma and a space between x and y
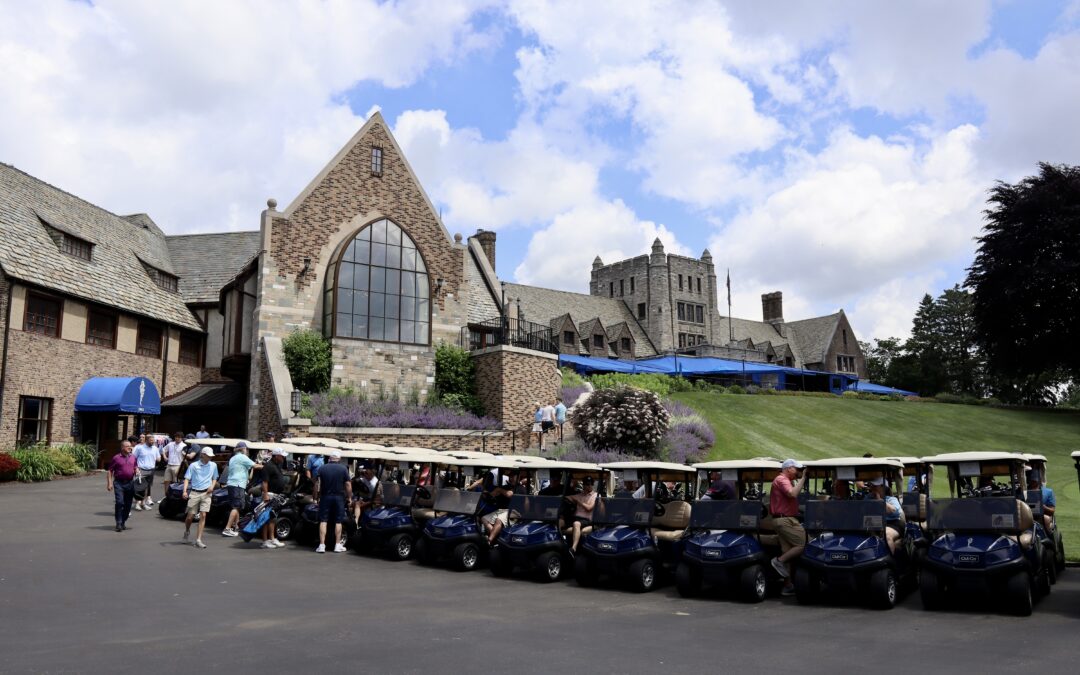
206, 262
544, 304
112, 277
807, 339
812, 336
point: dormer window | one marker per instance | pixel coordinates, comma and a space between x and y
169, 282
376, 161
75, 247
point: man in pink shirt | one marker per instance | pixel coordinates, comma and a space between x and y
784, 509
120, 480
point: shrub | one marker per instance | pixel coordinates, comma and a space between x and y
309, 358
623, 419
84, 454
9, 466
455, 379
35, 465
571, 394
576, 451
850, 394
689, 439
663, 385
735, 389
63, 462
571, 378
344, 408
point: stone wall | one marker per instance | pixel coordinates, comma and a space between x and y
54, 368
510, 381
379, 367
264, 411
851, 348
438, 439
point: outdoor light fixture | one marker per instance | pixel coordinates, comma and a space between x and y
307, 266
438, 284
295, 402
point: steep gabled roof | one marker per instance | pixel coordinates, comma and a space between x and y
543, 304
113, 276
592, 327
812, 336
206, 262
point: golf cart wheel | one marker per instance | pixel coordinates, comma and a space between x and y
467, 556
1018, 591
884, 589
1059, 559
642, 575
499, 564
585, 571
1045, 577
165, 510
807, 586
424, 553
283, 530
550, 566
401, 546
687, 580
753, 584
930, 590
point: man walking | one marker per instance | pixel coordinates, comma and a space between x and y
784, 509
146, 456
560, 416
175, 454
199, 483
273, 483
333, 491
120, 480
236, 482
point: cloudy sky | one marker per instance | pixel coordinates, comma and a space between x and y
837, 151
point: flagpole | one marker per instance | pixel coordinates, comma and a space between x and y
730, 327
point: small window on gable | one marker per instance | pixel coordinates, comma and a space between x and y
75, 247
568, 337
625, 344
163, 279
598, 341
845, 337
376, 161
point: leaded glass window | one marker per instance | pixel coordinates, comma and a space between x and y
381, 289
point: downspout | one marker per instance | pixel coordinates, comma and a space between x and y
165, 361
7, 339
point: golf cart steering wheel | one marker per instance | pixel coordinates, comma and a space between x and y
659, 509
662, 492
422, 492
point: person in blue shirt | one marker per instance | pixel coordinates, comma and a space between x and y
236, 481
1049, 502
199, 483
893, 513
311, 467
560, 416
538, 427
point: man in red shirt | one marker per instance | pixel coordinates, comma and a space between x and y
784, 509
120, 480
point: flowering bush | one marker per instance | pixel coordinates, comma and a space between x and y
576, 451
571, 394
9, 466
678, 409
622, 419
344, 408
688, 440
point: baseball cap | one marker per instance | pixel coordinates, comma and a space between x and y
788, 463
278, 451
208, 451
877, 481
241, 444
335, 455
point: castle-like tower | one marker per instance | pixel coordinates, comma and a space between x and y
673, 297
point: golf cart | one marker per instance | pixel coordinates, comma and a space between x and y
638, 532
983, 539
847, 523
455, 531
1045, 521
396, 519
352, 455
728, 544
537, 537
173, 505
914, 500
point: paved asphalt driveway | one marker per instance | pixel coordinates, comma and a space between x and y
77, 597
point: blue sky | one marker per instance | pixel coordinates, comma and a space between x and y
839, 152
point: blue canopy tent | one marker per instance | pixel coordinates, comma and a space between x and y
871, 388
585, 365
134, 395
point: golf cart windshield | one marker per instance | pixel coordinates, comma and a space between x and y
1034, 498
457, 501
736, 514
983, 514
848, 515
530, 507
394, 494
622, 511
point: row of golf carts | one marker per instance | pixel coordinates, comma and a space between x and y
968, 525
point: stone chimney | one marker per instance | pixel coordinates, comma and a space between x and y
772, 307
486, 240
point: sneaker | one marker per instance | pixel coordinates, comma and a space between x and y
138, 507
199, 544
268, 544
787, 591
229, 532
340, 548
321, 548
187, 533
123, 526
117, 528
149, 502
780, 568
277, 544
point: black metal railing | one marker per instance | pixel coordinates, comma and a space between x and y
506, 331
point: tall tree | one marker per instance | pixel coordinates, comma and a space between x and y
960, 354
1026, 278
926, 345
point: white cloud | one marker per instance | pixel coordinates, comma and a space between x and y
198, 112
887, 311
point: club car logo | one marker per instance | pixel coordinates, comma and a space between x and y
517, 540
712, 554
968, 558
439, 531
607, 547
838, 556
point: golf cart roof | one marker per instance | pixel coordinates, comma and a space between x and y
907, 460
739, 464
222, 442
409, 450
957, 457
645, 466
492, 462
411, 455
572, 466
287, 447
1033, 457
468, 454
855, 461
316, 440
363, 454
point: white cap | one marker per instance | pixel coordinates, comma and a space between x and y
335, 455
278, 451
208, 451
788, 463
877, 481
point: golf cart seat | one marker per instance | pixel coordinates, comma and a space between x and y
423, 513
1026, 524
672, 525
767, 532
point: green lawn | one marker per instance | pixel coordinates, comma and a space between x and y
812, 428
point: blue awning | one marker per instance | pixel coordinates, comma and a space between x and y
136, 395
872, 388
593, 364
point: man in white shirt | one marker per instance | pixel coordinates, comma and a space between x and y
547, 421
202, 432
146, 456
175, 454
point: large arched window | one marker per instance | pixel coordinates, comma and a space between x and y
378, 289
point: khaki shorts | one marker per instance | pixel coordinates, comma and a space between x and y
790, 532
172, 474
199, 501
500, 515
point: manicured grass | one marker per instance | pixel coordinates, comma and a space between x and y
813, 428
